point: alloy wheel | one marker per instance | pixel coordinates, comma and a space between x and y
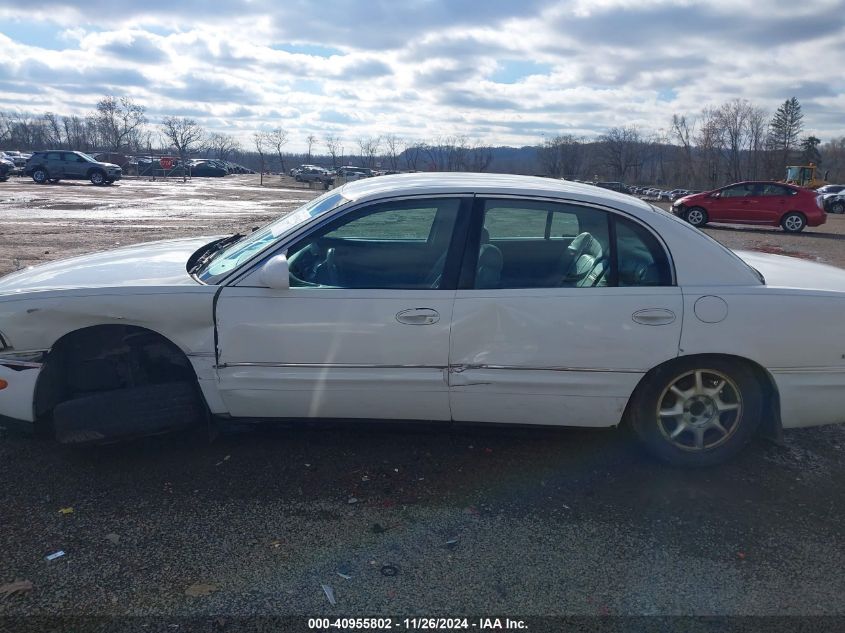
699, 410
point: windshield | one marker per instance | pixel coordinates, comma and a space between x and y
233, 256
90, 159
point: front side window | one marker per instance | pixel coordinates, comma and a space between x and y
241, 251
537, 244
738, 191
389, 245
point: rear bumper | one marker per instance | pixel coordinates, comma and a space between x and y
811, 397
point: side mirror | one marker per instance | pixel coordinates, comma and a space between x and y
275, 273
716, 194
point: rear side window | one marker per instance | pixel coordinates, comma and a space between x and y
537, 244
54, 156
641, 259
769, 189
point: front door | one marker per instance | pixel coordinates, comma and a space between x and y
559, 315
740, 203
363, 332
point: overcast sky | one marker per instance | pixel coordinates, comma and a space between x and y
501, 71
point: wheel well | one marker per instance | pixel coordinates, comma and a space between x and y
104, 358
770, 425
801, 213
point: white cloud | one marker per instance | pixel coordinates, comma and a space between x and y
426, 68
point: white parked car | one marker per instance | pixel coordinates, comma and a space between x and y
441, 297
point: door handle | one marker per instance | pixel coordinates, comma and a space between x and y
654, 316
418, 316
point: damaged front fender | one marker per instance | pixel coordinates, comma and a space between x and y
18, 376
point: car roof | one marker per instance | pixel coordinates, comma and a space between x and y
496, 184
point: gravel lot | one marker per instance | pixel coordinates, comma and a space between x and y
474, 521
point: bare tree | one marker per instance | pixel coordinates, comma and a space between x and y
710, 139
412, 154
368, 147
261, 146
119, 121
221, 145
333, 146
183, 134
560, 156
277, 139
393, 142
622, 149
310, 141
682, 130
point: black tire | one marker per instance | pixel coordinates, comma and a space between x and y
696, 216
739, 425
793, 222
39, 175
97, 177
125, 413
838, 206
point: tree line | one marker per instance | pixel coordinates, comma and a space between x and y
734, 141
728, 143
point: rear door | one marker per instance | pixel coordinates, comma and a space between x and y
774, 202
55, 164
561, 310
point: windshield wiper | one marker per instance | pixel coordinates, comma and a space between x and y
210, 251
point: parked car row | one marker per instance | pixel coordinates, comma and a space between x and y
833, 198
665, 195
17, 158
311, 173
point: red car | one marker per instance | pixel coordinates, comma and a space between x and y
766, 203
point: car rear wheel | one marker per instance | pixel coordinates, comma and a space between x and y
39, 176
696, 216
697, 412
97, 178
793, 222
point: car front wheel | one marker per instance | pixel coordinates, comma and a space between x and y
838, 207
97, 178
793, 222
696, 216
697, 412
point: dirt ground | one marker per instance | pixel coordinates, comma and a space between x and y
396, 520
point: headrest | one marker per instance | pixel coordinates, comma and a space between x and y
485, 236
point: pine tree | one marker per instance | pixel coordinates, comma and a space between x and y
784, 129
810, 150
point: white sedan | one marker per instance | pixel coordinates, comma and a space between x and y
439, 297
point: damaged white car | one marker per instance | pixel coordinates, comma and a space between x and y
439, 297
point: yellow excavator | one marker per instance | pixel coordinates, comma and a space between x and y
805, 176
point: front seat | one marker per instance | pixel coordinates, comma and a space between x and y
488, 271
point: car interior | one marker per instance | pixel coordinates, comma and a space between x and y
406, 248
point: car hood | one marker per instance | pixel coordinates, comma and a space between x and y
792, 272
151, 264
113, 165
